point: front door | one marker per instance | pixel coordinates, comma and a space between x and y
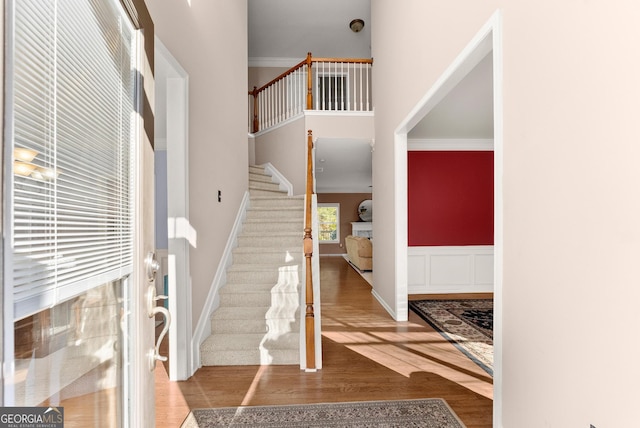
77, 198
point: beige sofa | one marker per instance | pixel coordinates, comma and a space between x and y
360, 252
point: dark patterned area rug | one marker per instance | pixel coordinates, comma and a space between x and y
431, 413
468, 324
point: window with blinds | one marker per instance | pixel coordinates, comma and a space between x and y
72, 96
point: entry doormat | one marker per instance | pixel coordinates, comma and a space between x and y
428, 413
468, 324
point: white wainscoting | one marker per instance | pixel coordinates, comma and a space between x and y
464, 269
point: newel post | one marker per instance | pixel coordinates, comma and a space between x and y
308, 253
255, 109
309, 84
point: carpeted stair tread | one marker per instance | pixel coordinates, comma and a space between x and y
267, 240
266, 192
256, 169
257, 267
263, 185
260, 176
251, 349
271, 222
272, 233
266, 288
276, 256
262, 313
250, 326
225, 342
279, 201
291, 215
286, 300
258, 225
272, 357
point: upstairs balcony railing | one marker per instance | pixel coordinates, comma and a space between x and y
322, 84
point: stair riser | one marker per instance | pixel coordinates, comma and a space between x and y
259, 192
260, 277
247, 326
280, 258
263, 185
284, 214
263, 288
250, 358
252, 277
256, 170
277, 202
259, 178
281, 226
269, 241
241, 300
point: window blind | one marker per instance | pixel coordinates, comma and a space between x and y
73, 99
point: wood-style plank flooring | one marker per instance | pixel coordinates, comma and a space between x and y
367, 356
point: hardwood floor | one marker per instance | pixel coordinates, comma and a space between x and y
367, 356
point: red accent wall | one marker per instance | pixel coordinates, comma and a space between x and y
450, 198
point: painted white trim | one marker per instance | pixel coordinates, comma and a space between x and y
278, 177
257, 61
488, 39
339, 113
498, 221
278, 125
401, 241
450, 144
203, 328
178, 267
333, 74
450, 269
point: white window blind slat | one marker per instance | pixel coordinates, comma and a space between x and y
73, 99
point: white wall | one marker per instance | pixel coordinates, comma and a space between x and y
209, 40
571, 199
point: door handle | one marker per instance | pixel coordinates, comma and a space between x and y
153, 309
152, 266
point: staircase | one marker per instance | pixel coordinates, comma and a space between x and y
258, 320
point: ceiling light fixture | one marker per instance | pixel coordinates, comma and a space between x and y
356, 25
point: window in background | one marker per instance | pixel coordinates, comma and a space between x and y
329, 223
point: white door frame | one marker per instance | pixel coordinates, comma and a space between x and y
488, 39
181, 234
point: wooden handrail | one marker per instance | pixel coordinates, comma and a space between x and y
270, 103
308, 253
283, 75
352, 60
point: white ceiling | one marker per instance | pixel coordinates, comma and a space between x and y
288, 29
343, 165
